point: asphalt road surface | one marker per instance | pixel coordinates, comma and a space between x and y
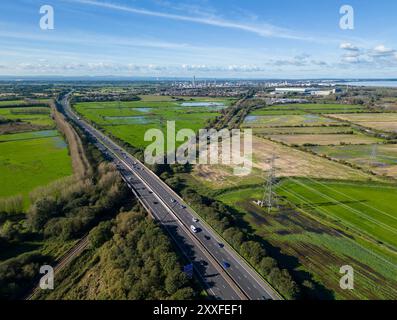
224, 273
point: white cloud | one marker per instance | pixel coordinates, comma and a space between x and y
382, 51
263, 30
350, 59
377, 57
348, 46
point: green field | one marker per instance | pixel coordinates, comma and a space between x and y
34, 115
130, 120
12, 103
21, 102
366, 208
322, 248
29, 160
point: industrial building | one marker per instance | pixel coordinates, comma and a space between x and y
305, 91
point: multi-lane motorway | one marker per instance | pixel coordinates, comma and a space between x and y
224, 273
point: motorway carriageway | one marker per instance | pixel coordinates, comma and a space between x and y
204, 248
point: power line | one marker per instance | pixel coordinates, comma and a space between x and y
374, 154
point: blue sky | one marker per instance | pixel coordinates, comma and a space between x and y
206, 38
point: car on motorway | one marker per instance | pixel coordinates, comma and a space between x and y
195, 220
225, 264
207, 237
173, 200
194, 229
221, 245
182, 206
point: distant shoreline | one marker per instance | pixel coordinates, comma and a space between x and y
371, 83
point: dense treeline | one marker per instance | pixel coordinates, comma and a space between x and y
129, 258
144, 254
77, 207
17, 274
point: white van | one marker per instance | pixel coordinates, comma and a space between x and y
193, 228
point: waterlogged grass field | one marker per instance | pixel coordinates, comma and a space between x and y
38, 115
310, 124
28, 135
130, 120
321, 247
11, 103
29, 160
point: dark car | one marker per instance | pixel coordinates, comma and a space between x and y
225, 264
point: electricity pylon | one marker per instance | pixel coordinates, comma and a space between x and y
269, 200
